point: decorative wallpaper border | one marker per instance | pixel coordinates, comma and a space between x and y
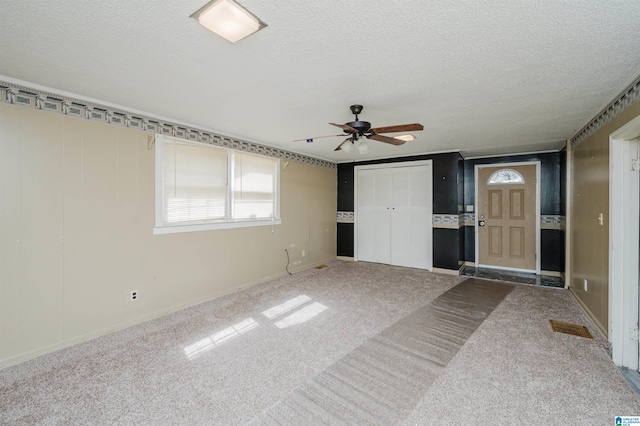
438, 220
546, 221
345, 217
468, 219
625, 99
455, 221
13, 94
552, 222
449, 221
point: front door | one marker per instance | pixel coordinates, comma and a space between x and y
506, 216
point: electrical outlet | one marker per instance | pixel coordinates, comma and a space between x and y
133, 296
303, 253
586, 284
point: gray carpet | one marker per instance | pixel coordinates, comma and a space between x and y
238, 358
381, 381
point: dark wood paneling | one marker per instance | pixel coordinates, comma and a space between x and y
461, 244
460, 186
563, 182
446, 173
552, 250
445, 248
469, 243
345, 239
552, 166
345, 187
453, 185
445, 183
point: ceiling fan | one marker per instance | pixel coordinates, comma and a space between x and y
357, 129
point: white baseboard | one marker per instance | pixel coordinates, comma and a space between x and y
25, 356
347, 258
446, 271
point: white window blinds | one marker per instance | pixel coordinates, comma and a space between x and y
195, 183
254, 186
201, 187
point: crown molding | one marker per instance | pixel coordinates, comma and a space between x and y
48, 100
616, 107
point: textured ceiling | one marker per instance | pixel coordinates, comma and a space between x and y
482, 76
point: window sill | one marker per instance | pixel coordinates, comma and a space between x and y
160, 230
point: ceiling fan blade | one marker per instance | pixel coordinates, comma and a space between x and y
386, 139
343, 142
399, 128
346, 128
317, 137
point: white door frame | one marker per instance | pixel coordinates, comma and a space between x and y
355, 198
538, 179
623, 249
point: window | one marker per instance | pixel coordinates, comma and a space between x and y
254, 181
505, 176
202, 187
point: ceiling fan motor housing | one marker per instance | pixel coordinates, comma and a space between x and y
360, 126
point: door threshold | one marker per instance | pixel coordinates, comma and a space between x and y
513, 277
633, 379
507, 269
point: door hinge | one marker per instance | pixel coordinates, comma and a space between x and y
635, 164
634, 334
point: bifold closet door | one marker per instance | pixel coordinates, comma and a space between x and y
374, 225
394, 216
411, 217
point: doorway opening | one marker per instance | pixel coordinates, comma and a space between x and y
624, 250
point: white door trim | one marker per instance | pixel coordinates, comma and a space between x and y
623, 250
538, 179
355, 196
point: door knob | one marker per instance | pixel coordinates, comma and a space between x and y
481, 223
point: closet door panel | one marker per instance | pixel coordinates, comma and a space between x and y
382, 245
401, 227
421, 228
366, 219
393, 218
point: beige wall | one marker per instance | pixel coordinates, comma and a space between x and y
589, 240
76, 219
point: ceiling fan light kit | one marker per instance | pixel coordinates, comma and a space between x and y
228, 19
357, 129
363, 147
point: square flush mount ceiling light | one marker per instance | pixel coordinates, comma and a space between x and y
228, 19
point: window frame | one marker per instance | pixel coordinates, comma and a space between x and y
520, 180
228, 223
